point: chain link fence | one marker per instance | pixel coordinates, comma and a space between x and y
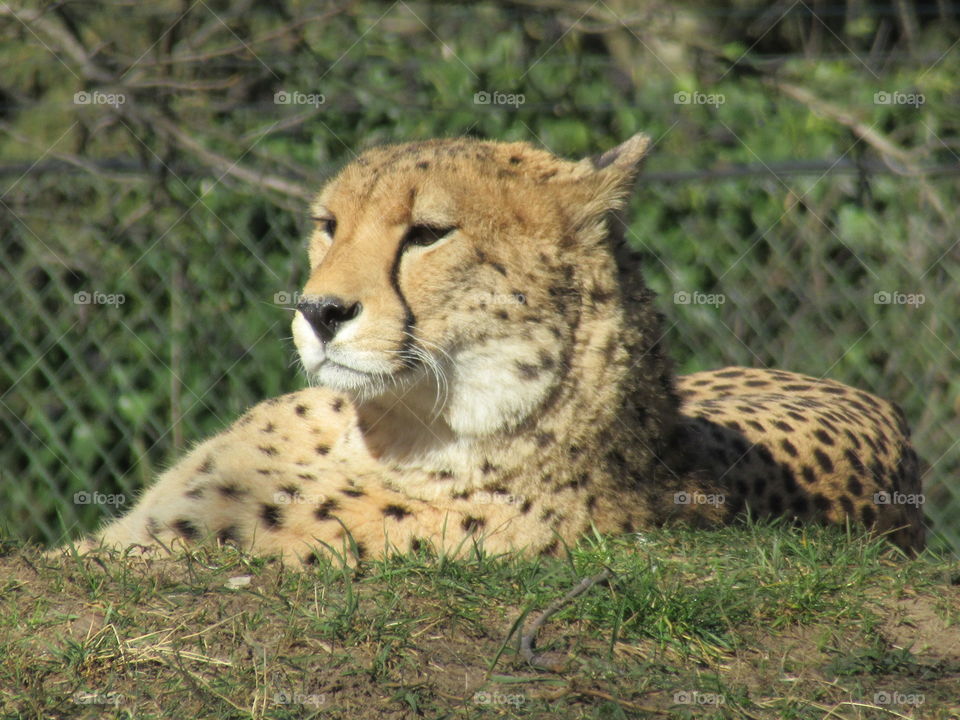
799, 210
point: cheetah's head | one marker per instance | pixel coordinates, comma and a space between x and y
459, 271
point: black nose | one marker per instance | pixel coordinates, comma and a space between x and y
327, 314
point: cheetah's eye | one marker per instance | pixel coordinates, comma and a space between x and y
424, 235
327, 224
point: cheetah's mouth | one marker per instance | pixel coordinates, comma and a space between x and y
339, 376
363, 384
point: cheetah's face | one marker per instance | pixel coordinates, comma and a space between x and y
449, 269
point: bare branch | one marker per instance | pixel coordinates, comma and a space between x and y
875, 139
89, 166
66, 42
227, 166
528, 639
240, 48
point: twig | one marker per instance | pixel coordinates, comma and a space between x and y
91, 71
191, 86
89, 166
620, 701
63, 38
225, 165
528, 639
900, 161
875, 139
243, 47
572, 688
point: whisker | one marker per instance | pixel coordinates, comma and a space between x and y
420, 353
432, 364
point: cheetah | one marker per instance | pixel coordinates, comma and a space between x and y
487, 366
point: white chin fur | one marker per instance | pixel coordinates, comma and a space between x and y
486, 395
342, 378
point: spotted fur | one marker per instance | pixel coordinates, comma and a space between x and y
489, 368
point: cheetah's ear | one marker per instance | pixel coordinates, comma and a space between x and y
625, 158
611, 174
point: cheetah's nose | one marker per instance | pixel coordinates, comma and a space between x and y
327, 314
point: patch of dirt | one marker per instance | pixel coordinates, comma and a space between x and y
916, 624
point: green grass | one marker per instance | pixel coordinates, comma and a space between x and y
755, 621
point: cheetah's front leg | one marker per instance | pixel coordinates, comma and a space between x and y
294, 510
